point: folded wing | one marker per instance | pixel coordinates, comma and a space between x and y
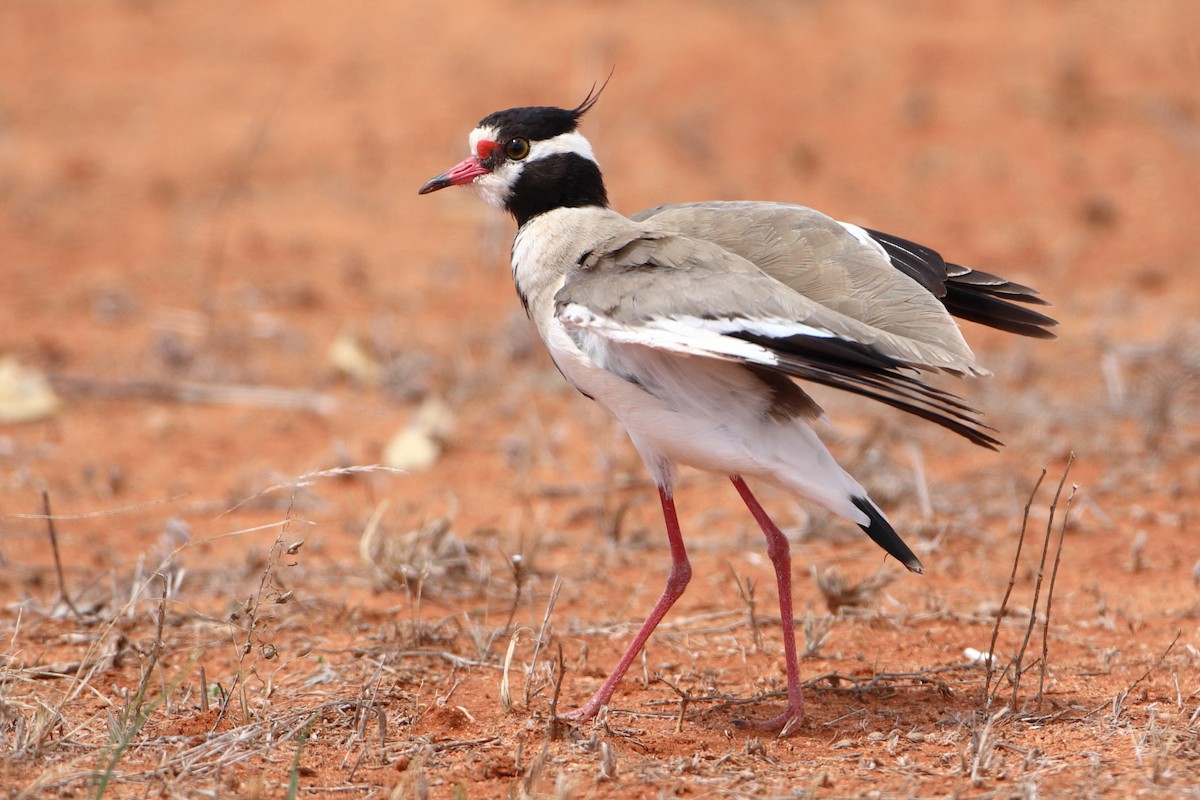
691, 297
840, 265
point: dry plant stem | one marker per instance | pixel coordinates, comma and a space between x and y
252, 604
414, 596
517, 563
918, 465
684, 699
307, 479
266, 579
1037, 585
136, 712
367, 706
506, 666
226, 699
202, 393
1117, 701
104, 513
560, 672
1062, 532
156, 649
983, 745
988, 695
58, 567
746, 593
677, 581
537, 647
203, 691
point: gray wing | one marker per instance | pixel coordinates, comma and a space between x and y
691, 297
839, 265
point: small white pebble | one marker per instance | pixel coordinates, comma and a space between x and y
974, 656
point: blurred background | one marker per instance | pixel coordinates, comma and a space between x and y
202, 199
221, 297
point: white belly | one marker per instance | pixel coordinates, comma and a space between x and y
706, 414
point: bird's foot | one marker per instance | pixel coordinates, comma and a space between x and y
783, 725
585, 712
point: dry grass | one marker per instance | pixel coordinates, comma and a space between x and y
424, 703
183, 620
241, 710
283, 680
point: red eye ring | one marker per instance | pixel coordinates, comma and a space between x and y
486, 148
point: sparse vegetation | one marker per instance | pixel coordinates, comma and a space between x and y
209, 591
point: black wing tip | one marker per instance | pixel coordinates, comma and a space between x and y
967, 293
990, 300
1001, 314
884, 535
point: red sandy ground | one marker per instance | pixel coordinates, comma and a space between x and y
208, 194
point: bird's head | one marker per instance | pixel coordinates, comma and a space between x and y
530, 160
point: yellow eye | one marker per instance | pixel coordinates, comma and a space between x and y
516, 149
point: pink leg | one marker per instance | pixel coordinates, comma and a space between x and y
677, 581
779, 552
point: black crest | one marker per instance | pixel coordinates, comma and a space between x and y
536, 123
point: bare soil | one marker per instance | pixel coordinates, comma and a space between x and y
199, 202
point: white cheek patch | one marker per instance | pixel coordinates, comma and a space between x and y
573, 142
494, 187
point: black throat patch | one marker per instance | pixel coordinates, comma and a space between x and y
563, 180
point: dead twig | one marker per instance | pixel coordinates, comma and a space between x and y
541, 638
1037, 585
1118, 701
839, 592
1062, 532
58, 567
192, 392
137, 711
684, 699
505, 691
309, 478
517, 564
93, 514
560, 672
746, 594
988, 694
983, 745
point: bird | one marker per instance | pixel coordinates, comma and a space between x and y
692, 323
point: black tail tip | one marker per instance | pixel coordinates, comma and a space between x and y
884, 535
